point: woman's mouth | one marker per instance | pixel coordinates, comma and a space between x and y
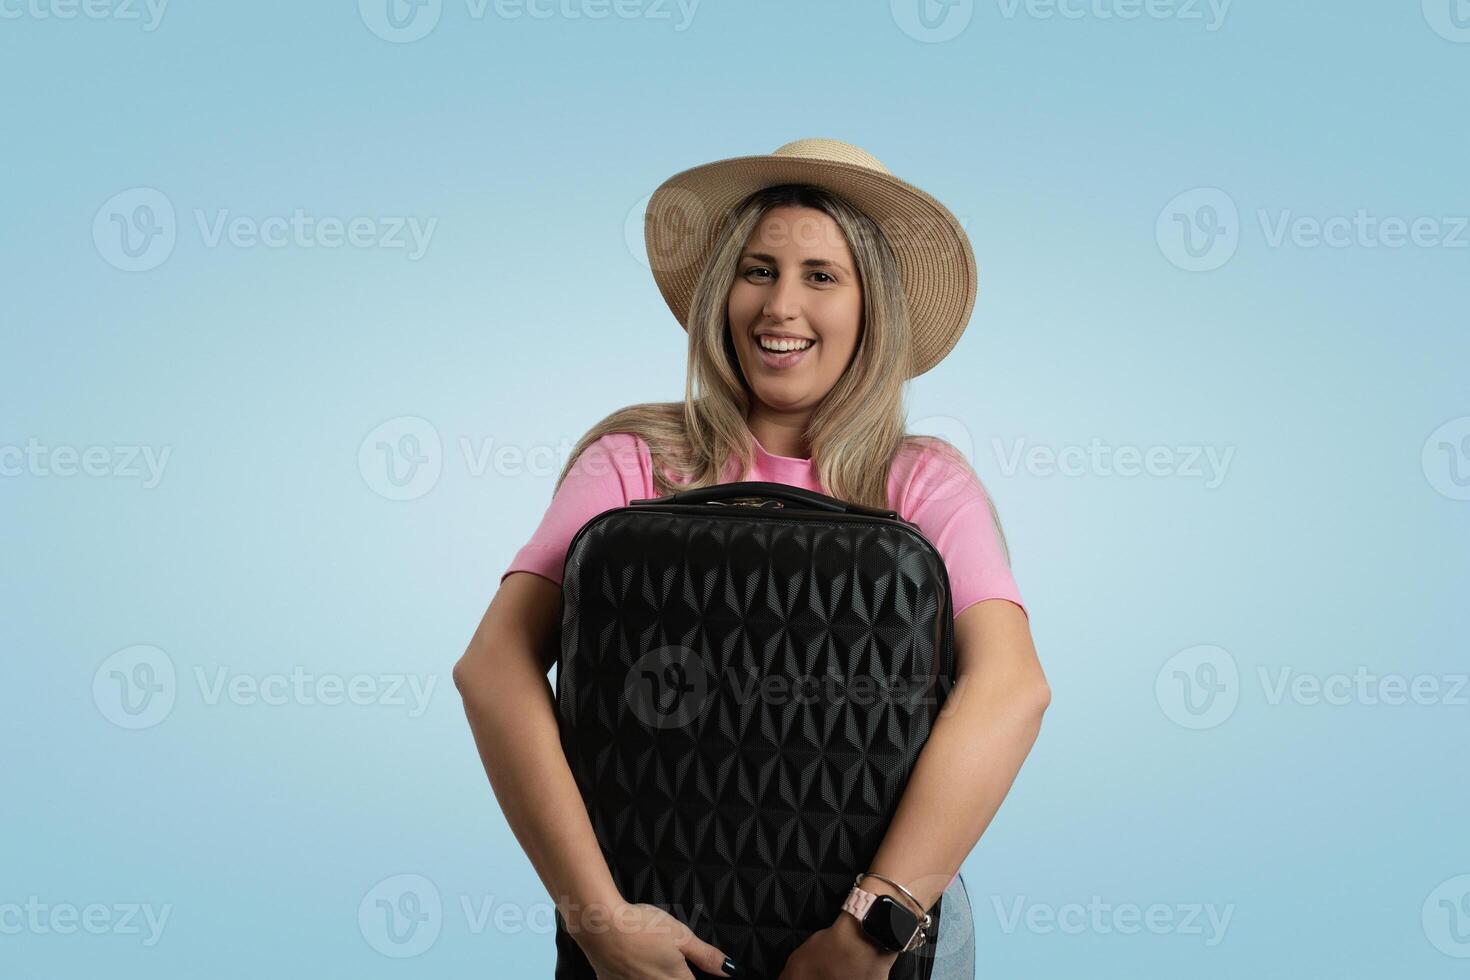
782, 352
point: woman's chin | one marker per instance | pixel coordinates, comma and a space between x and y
785, 394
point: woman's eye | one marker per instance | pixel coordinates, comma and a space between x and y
826, 277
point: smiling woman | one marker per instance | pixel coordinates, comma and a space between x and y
812, 284
795, 308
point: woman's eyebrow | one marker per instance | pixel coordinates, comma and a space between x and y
810, 263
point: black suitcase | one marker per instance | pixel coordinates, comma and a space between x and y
735, 772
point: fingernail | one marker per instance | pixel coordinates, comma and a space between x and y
729, 967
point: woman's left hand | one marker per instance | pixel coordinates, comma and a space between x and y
838, 952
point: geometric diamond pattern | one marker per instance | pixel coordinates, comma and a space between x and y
741, 694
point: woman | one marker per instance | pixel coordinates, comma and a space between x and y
812, 284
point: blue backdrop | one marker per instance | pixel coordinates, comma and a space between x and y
305, 304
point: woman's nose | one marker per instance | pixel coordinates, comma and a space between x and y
781, 301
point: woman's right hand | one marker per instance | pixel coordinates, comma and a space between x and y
643, 942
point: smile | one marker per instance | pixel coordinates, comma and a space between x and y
782, 352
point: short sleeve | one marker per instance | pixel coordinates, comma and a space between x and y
950, 506
611, 471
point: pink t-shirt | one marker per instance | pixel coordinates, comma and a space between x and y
926, 486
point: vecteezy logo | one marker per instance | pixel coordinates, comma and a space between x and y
952, 480
402, 458
957, 934
1449, 18
1199, 230
932, 21
401, 916
400, 21
135, 687
633, 234
672, 238
667, 687
1446, 916
1198, 687
135, 229
1446, 458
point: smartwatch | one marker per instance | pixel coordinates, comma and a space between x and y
886, 922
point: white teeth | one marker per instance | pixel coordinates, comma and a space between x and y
781, 345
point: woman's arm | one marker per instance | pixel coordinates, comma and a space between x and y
512, 713
985, 731
983, 735
511, 710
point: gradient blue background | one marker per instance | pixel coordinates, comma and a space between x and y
533, 143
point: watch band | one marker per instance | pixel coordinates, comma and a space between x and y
858, 901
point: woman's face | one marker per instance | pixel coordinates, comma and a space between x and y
795, 290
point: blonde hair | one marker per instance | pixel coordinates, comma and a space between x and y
857, 431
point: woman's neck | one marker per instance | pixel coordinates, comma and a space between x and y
780, 436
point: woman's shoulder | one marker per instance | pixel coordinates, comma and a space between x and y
628, 452
624, 455
614, 443
926, 465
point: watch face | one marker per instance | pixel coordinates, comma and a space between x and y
889, 923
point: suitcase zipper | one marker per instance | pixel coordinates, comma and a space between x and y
770, 502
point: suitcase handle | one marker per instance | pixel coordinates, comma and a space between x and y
724, 492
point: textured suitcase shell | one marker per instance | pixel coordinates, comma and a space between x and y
719, 787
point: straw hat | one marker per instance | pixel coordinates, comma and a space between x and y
935, 261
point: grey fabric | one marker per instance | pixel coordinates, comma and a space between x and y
954, 947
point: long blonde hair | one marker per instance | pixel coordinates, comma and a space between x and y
856, 432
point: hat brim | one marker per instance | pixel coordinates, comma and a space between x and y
935, 261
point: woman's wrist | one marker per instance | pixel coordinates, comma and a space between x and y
851, 933
878, 887
594, 913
